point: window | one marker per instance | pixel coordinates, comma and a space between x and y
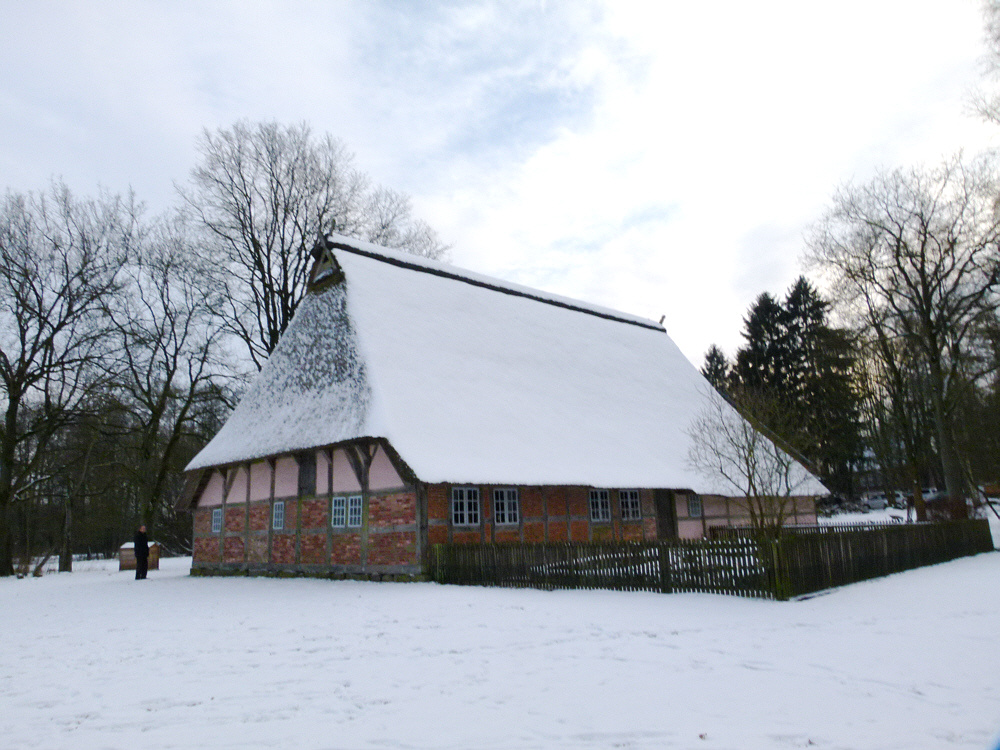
278, 516
216, 520
354, 505
338, 513
600, 506
631, 510
694, 506
505, 507
465, 506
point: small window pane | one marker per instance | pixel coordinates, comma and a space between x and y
631, 509
354, 507
465, 506
600, 506
216, 520
505, 510
338, 513
278, 516
694, 506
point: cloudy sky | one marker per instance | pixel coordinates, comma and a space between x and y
662, 158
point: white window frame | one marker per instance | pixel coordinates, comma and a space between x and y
355, 511
506, 506
338, 512
465, 506
695, 507
600, 506
278, 516
216, 520
631, 508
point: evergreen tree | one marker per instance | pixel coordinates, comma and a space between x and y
819, 386
761, 364
794, 356
716, 369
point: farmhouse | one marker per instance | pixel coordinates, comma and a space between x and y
412, 403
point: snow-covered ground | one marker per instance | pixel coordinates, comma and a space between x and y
95, 659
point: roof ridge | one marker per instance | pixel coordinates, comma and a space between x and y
496, 285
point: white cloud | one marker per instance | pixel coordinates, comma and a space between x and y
661, 158
726, 129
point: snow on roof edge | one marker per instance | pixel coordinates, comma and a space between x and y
457, 273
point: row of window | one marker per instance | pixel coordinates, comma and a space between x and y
628, 505
465, 506
345, 512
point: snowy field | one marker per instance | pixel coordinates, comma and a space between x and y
95, 659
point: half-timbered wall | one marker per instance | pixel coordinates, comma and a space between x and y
545, 514
344, 478
347, 510
696, 514
214, 490
303, 533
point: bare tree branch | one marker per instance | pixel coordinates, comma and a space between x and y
264, 194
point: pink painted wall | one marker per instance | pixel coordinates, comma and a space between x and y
713, 506
260, 480
689, 529
322, 472
681, 506
738, 508
733, 511
286, 477
805, 511
212, 494
343, 475
238, 490
381, 475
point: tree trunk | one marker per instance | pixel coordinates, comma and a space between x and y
6, 537
66, 546
7, 489
954, 478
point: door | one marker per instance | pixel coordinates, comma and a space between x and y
666, 516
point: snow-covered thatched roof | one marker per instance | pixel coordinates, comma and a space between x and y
471, 379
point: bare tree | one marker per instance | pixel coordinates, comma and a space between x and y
169, 338
60, 259
889, 378
738, 459
264, 194
986, 99
913, 257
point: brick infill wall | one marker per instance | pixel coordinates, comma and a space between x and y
387, 545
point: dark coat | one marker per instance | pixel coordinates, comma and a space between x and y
141, 544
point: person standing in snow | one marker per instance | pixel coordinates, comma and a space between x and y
141, 553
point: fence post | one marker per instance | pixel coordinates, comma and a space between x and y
780, 583
666, 583
435, 570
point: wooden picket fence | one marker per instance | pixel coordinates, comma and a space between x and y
812, 561
746, 532
797, 563
720, 567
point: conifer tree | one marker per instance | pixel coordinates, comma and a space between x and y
799, 361
716, 369
761, 364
